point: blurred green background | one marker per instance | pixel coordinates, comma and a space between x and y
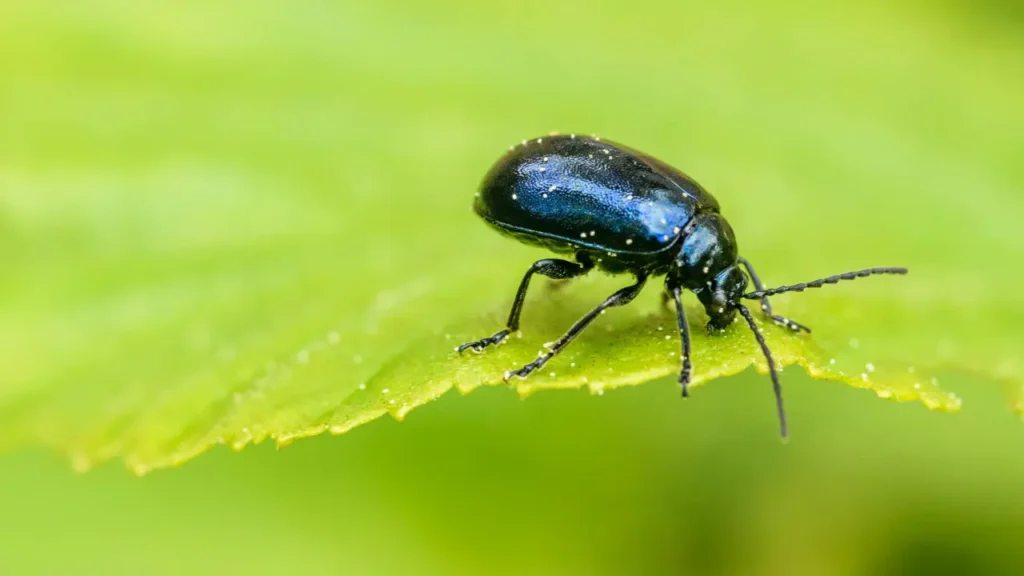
178, 175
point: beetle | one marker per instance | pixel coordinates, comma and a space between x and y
611, 207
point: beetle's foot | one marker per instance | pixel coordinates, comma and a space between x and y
526, 370
684, 377
787, 323
479, 345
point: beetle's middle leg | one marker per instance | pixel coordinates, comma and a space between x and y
766, 307
550, 267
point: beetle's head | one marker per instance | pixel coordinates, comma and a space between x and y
720, 296
706, 265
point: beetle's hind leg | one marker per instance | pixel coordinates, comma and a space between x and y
766, 306
620, 298
550, 267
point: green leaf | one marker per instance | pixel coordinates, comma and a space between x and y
225, 238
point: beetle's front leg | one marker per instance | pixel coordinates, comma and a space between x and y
552, 268
684, 337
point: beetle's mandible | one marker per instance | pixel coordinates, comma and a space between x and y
617, 209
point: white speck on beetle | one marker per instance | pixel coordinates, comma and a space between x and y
592, 233
302, 357
333, 337
539, 140
362, 385
583, 234
870, 367
629, 241
552, 374
357, 359
854, 343
832, 361
665, 238
572, 136
545, 158
552, 189
572, 365
705, 269
543, 169
917, 385
864, 376
584, 380
668, 336
524, 142
544, 195
514, 197
677, 230
385, 391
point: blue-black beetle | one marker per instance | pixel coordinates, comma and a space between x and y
625, 212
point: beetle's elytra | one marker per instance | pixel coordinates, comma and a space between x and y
617, 209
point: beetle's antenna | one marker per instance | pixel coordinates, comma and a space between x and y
821, 282
771, 367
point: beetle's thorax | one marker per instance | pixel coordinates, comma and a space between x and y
706, 265
707, 248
